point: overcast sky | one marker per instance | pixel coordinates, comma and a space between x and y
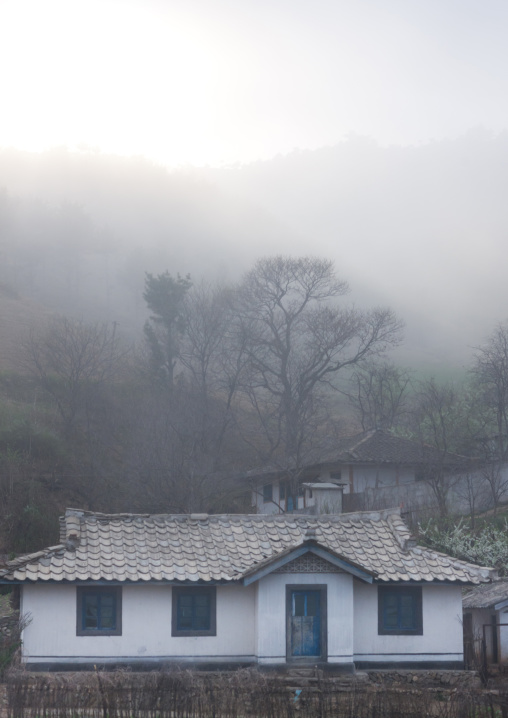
220, 81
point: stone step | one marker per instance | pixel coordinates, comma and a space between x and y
303, 671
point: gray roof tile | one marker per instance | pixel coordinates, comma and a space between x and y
223, 548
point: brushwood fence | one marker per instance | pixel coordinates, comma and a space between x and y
241, 694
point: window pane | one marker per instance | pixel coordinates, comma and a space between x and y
185, 612
107, 619
107, 611
202, 618
193, 612
90, 611
100, 610
390, 613
400, 610
312, 603
298, 604
407, 612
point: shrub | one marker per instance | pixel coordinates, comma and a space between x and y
11, 628
488, 547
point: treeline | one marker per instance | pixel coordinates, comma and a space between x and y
267, 371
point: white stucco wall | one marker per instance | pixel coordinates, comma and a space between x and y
442, 627
375, 477
146, 627
271, 638
251, 625
271, 507
364, 477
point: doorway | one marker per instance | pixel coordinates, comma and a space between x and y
306, 623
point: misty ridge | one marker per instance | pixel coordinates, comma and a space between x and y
164, 332
419, 229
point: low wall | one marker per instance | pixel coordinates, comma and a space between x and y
425, 679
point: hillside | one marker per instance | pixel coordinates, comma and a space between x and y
17, 315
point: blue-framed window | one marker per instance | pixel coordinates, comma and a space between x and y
400, 610
194, 611
99, 611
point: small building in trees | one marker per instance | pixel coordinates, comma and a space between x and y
375, 469
346, 591
485, 623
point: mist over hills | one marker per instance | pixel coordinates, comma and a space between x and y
421, 229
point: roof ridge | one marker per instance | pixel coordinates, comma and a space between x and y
368, 514
365, 436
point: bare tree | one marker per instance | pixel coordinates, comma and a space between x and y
379, 394
490, 372
495, 477
297, 337
440, 420
187, 439
71, 359
471, 488
169, 467
214, 360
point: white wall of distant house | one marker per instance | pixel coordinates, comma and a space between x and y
442, 638
146, 627
356, 478
367, 476
276, 505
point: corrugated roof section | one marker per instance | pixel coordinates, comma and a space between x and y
223, 548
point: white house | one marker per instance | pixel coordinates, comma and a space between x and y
375, 461
342, 591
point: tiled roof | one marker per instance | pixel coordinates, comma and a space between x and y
383, 447
198, 547
373, 447
486, 596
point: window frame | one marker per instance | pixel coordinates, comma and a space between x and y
416, 595
82, 591
178, 591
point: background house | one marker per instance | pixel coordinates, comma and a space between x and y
376, 469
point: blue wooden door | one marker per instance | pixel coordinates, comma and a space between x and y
305, 623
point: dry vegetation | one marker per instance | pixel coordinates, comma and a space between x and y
248, 693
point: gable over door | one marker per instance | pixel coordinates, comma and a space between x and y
306, 623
